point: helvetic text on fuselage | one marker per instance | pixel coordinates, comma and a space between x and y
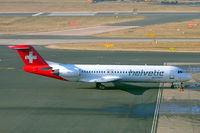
156, 73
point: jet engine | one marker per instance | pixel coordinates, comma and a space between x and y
69, 74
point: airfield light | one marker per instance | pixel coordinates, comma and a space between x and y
171, 49
108, 45
151, 34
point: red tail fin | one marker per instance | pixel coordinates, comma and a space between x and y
34, 63
29, 55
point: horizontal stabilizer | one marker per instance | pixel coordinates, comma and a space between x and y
20, 47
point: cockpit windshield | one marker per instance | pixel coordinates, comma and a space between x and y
180, 71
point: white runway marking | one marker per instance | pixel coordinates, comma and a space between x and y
156, 113
37, 14
72, 14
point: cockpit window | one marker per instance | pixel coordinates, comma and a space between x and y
180, 71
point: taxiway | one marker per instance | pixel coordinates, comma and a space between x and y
32, 103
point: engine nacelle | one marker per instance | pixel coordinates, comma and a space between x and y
68, 72
56, 72
72, 75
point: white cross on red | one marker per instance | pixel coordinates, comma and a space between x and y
30, 57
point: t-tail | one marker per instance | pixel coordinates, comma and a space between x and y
34, 63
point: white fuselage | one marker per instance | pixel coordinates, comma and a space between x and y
121, 73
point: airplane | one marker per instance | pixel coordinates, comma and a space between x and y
99, 74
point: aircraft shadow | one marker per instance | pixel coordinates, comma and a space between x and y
130, 88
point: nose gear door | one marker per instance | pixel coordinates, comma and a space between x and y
171, 75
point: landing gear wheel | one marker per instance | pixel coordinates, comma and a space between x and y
102, 87
172, 86
98, 85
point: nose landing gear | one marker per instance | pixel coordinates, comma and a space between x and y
172, 86
178, 85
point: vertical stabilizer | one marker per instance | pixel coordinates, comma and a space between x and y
29, 55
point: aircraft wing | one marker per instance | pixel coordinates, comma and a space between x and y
102, 79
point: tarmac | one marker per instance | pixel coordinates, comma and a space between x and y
152, 17
32, 103
160, 18
179, 111
53, 39
84, 31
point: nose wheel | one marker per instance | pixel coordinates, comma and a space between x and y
100, 86
172, 86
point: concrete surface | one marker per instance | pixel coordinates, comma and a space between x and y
152, 17
84, 31
31, 103
180, 110
52, 39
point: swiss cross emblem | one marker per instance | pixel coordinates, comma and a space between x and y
30, 57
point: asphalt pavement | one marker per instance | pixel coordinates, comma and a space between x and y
53, 39
160, 18
32, 103
151, 17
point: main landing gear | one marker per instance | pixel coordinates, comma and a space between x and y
100, 86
